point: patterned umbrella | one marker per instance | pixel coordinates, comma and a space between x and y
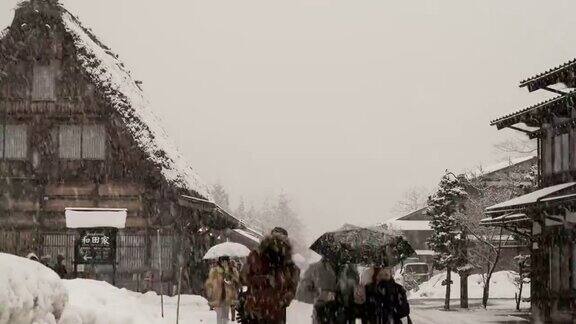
365, 246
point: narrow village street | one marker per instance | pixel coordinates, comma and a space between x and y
500, 311
303, 161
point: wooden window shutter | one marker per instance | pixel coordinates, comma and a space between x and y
547, 154
572, 151
69, 141
94, 142
565, 139
44, 83
1, 140
15, 142
557, 153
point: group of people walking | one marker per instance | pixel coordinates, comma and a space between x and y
270, 277
340, 293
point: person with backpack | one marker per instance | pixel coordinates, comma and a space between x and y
271, 278
385, 301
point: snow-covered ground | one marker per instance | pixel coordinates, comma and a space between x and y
33, 294
499, 311
501, 286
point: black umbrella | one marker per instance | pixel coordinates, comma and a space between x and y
366, 246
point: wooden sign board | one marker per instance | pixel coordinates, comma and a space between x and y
96, 246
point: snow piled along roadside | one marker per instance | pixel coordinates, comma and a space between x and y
29, 292
97, 302
501, 286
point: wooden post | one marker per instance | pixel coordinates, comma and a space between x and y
465, 272
178, 303
160, 273
448, 282
464, 289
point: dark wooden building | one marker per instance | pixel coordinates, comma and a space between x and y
76, 131
548, 216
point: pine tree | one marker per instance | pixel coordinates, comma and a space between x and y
446, 238
240, 211
286, 217
220, 196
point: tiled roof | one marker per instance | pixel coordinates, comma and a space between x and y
547, 78
514, 117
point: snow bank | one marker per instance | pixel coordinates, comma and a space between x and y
29, 292
501, 286
97, 302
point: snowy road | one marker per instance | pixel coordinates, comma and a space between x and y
32, 291
429, 312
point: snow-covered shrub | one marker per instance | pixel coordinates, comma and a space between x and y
29, 292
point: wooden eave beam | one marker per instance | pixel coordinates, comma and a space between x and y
554, 91
564, 73
210, 207
196, 204
566, 124
525, 131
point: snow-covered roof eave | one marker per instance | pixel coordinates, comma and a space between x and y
95, 217
410, 225
483, 171
530, 198
248, 235
116, 85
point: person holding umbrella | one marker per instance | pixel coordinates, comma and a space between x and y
319, 287
377, 248
222, 288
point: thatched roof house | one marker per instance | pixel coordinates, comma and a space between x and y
77, 132
113, 84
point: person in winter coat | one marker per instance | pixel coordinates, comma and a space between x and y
385, 301
234, 290
330, 287
222, 288
59, 267
271, 278
348, 281
319, 286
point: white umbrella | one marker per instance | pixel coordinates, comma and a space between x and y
230, 249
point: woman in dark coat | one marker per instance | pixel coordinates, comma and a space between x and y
386, 301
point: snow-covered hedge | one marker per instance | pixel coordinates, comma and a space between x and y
29, 292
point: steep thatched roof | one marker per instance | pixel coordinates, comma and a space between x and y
115, 84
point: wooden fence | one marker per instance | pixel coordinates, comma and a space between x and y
136, 254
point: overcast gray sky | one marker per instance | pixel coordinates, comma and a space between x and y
341, 104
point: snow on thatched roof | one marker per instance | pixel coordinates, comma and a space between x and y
117, 86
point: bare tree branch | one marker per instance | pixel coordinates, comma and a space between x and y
413, 199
